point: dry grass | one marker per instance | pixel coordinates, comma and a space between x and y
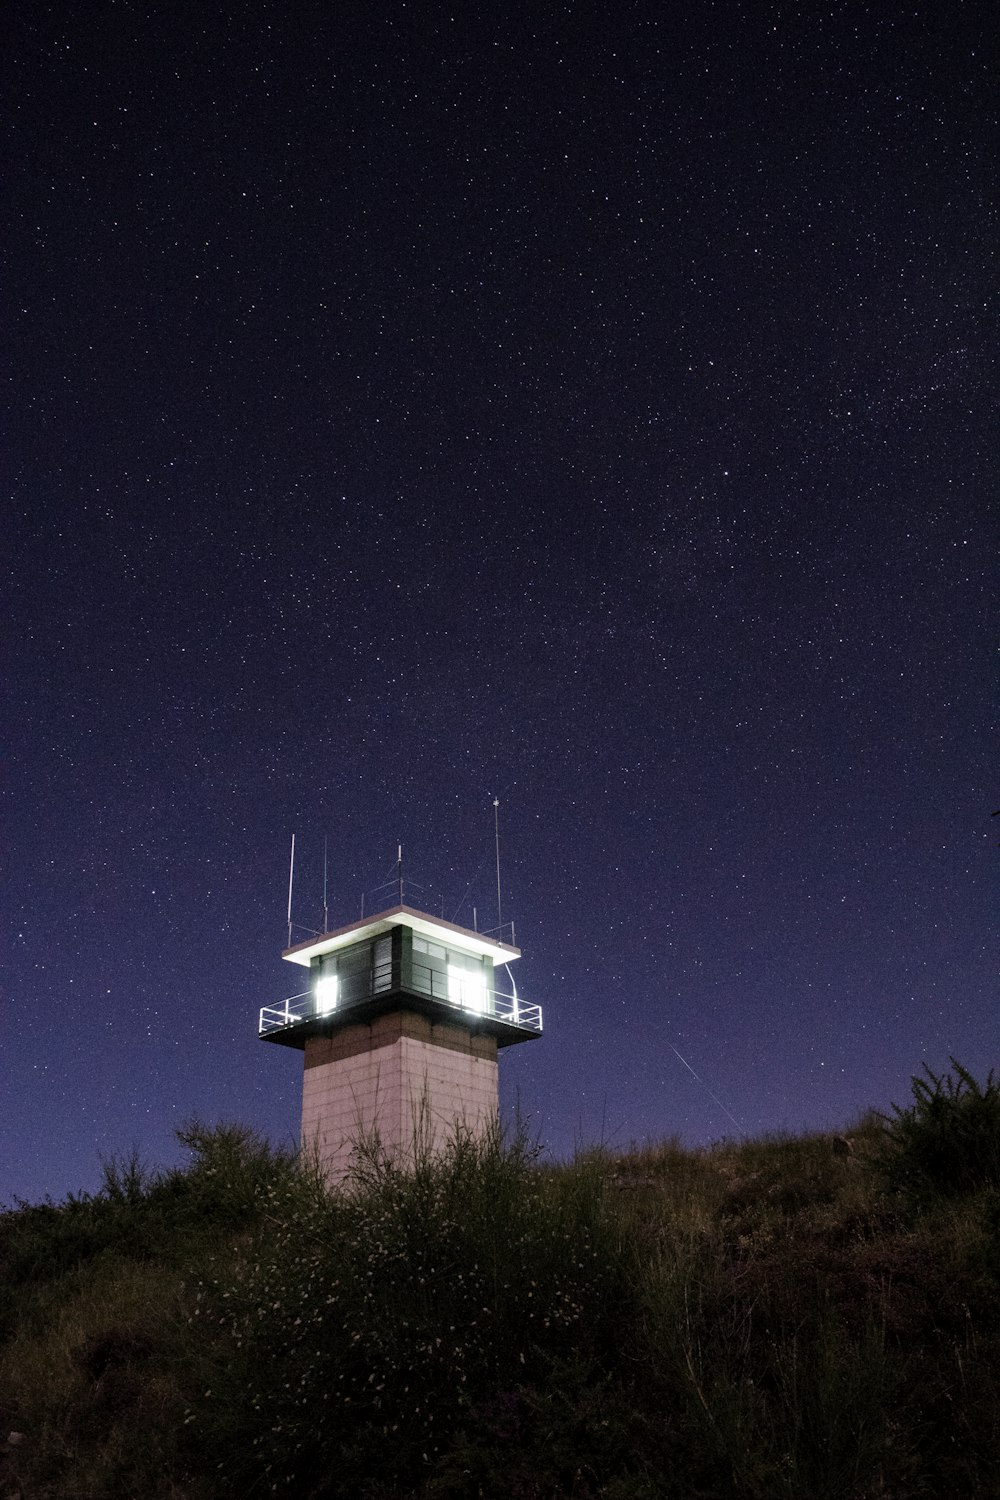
762, 1321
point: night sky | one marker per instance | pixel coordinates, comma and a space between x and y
589, 406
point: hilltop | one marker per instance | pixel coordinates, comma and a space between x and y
799, 1317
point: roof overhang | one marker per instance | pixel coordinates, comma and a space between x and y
402, 916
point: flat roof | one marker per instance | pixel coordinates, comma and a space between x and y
402, 916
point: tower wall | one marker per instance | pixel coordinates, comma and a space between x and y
410, 1077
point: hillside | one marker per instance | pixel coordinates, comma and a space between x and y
797, 1317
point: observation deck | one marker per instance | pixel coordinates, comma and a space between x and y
401, 959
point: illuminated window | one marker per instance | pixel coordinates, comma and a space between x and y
326, 994
467, 988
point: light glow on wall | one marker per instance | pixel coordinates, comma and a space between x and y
326, 994
467, 988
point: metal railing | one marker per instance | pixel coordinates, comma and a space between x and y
496, 1005
296, 1008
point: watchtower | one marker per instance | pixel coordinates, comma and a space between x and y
400, 1027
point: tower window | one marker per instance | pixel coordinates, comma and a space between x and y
432, 950
327, 993
467, 988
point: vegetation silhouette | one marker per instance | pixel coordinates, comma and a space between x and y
795, 1316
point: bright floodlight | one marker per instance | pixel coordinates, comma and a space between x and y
326, 994
467, 988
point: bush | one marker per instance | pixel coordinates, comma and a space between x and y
947, 1142
366, 1327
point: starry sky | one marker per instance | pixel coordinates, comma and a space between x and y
583, 405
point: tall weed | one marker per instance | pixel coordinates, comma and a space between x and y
947, 1142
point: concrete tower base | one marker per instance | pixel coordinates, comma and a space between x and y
415, 1077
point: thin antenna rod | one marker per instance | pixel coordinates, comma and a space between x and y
326, 909
399, 870
496, 834
291, 876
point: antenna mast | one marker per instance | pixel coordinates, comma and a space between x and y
399, 870
496, 835
326, 909
291, 874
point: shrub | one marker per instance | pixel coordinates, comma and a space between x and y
947, 1142
365, 1327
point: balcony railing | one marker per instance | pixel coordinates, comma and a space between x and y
495, 1005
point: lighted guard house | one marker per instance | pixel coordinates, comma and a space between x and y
400, 1027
